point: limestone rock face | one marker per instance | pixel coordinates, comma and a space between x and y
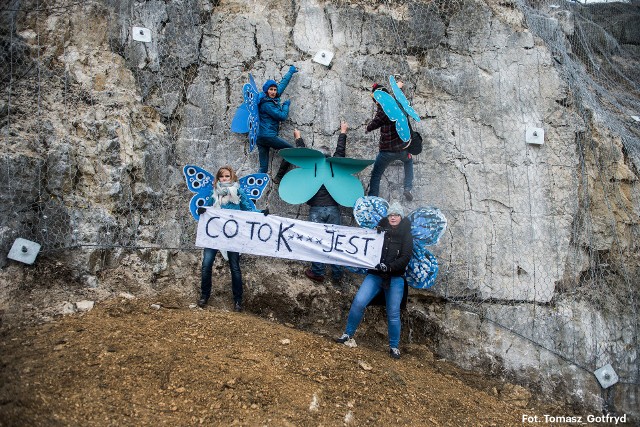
489, 198
96, 127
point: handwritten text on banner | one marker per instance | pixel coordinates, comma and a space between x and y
254, 233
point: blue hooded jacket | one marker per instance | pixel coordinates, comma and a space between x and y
271, 111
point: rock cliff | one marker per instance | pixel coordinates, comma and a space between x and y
540, 263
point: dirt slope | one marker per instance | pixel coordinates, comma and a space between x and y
126, 363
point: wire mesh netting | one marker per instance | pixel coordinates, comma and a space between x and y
542, 239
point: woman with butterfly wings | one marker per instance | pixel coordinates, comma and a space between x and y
404, 261
272, 112
226, 194
386, 277
392, 146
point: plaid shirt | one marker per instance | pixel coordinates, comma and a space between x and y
389, 139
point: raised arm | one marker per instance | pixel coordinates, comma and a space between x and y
298, 138
379, 120
285, 79
341, 147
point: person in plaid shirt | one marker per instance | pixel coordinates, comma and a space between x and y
390, 147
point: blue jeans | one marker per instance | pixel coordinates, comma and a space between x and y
208, 257
383, 160
325, 215
393, 296
264, 144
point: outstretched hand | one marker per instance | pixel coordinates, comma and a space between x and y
344, 126
293, 69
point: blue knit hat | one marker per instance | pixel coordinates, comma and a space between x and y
268, 84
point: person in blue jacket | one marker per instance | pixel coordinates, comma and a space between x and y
227, 194
272, 112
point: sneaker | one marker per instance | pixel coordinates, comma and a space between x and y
311, 275
202, 302
408, 195
343, 339
237, 307
394, 353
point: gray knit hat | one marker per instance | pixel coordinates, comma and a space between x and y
395, 208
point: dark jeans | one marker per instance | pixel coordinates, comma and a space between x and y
383, 160
325, 215
208, 257
264, 145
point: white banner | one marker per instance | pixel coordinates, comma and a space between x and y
254, 233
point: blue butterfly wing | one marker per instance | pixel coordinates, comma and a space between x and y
246, 118
393, 111
404, 102
240, 122
369, 210
199, 181
422, 270
346, 165
254, 184
251, 99
303, 157
340, 183
301, 184
427, 225
242, 118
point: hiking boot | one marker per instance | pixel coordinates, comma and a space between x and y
311, 275
408, 195
343, 339
202, 302
237, 307
394, 353
282, 171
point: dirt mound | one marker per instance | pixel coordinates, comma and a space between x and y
128, 363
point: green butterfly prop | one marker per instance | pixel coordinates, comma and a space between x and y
315, 170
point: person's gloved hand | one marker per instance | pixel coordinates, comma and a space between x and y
201, 210
287, 102
293, 69
379, 229
265, 211
382, 267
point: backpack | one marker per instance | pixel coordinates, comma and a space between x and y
415, 147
